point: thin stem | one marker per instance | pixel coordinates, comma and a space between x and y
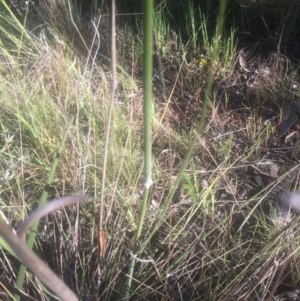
113, 90
148, 115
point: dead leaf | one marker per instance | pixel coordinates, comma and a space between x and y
102, 243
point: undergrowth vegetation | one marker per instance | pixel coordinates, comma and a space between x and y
221, 235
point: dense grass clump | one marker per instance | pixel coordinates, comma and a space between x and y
224, 77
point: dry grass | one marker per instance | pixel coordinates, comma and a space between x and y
217, 241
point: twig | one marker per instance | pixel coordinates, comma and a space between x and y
49, 207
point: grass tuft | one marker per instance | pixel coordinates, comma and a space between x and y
212, 228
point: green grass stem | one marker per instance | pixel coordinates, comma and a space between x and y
148, 6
